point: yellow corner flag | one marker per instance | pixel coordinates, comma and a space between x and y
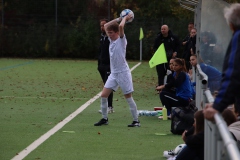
159, 57
141, 34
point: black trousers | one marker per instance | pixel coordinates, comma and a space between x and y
161, 72
105, 72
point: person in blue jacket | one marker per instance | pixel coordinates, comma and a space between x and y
229, 92
183, 87
214, 75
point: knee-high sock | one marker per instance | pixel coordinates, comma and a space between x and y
133, 108
104, 107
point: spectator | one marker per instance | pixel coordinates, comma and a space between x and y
192, 41
171, 44
214, 76
190, 47
229, 90
229, 116
181, 83
186, 39
207, 44
194, 139
104, 61
170, 78
234, 127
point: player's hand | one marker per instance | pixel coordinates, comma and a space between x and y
119, 19
128, 17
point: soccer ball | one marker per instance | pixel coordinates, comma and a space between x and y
126, 12
179, 148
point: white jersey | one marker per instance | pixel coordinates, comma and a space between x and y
117, 52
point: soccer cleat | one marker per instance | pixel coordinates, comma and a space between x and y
134, 124
102, 122
110, 110
168, 154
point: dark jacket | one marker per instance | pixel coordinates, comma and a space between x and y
171, 43
103, 56
229, 91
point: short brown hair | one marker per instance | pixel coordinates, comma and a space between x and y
113, 27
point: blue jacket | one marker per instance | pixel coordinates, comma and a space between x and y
182, 84
229, 91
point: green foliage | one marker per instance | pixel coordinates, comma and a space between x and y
34, 30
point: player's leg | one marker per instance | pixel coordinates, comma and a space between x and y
125, 82
110, 97
109, 86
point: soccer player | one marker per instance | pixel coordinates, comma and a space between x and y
120, 72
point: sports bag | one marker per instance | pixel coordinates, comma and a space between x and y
182, 118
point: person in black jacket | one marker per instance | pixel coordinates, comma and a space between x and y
187, 45
194, 139
171, 44
104, 62
229, 90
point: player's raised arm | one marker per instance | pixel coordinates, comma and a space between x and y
122, 24
111, 22
121, 27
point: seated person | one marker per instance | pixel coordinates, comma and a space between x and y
182, 83
230, 115
214, 75
170, 77
194, 139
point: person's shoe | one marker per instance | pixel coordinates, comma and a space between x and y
102, 122
168, 154
110, 110
134, 124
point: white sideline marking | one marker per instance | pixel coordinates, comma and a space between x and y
56, 128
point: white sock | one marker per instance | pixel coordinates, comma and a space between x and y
133, 108
104, 107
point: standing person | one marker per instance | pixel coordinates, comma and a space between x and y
229, 90
120, 72
104, 62
192, 41
191, 47
183, 88
171, 44
214, 75
185, 43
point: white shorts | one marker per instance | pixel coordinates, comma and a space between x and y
123, 79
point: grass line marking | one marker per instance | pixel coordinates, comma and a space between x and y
15, 66
56, 128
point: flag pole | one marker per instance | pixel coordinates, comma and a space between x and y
140, 39
140, 50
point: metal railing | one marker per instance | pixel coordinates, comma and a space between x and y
218, 142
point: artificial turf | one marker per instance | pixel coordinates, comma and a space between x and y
35, 95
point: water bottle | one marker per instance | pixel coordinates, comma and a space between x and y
164, 113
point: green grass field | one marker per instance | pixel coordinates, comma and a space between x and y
36, 95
